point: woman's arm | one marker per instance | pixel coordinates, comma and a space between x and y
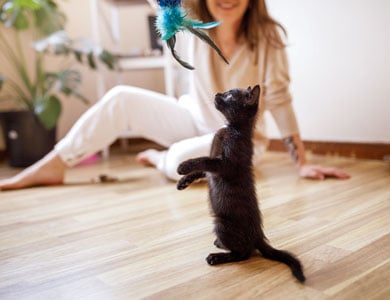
295, 147
277, 100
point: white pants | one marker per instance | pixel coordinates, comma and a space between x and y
151, 115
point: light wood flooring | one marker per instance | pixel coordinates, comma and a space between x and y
141, 238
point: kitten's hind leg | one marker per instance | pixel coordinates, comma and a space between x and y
218, 244
186, 180
226, 257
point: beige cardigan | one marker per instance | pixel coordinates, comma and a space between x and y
212, 75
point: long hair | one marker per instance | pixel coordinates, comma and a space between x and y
256, 24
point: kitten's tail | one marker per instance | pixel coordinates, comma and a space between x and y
283, 256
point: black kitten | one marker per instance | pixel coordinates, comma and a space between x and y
232, 191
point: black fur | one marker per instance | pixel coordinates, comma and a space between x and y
232, 191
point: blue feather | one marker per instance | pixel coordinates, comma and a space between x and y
172, 18
169, 3
198, 24
169, 21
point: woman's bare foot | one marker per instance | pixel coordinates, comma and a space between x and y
149, 157
50, 170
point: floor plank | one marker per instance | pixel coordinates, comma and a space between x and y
140, 238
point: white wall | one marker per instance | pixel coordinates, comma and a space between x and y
339, 56
133, 35
340, 67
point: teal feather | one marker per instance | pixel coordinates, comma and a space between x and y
169, 3
169, 21
198, 24
171, 45
204, 37
172, 19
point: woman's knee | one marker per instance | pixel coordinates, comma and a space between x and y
171, 162
116, 94
183, 150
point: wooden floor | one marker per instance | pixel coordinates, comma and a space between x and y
141, 238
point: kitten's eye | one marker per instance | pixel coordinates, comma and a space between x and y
229, 97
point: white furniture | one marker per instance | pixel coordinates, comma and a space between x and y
163, 61
134, 63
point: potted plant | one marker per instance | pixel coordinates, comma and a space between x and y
29, 131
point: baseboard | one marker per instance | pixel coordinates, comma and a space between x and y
356, 150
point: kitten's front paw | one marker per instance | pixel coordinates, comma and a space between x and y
182, 184
184, 168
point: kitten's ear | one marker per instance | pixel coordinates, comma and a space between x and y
255, 93
248, 89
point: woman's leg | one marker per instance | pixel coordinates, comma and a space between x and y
148, 114
183, 150
50, 170
168, 161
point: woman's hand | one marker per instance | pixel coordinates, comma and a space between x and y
295, 147
321, 172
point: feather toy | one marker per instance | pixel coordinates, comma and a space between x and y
172, 18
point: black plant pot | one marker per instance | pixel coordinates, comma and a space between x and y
26, 139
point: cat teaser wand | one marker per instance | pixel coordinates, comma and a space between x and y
172, 18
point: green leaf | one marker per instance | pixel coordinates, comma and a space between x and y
66, 82
24, 4
108, 59
49, 19
18, 21
79, 55
2, 79
80, 97
61, 49
14, 12
17, 13
91, 60
48, 111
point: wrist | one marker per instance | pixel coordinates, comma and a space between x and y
294, 147
301, 163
